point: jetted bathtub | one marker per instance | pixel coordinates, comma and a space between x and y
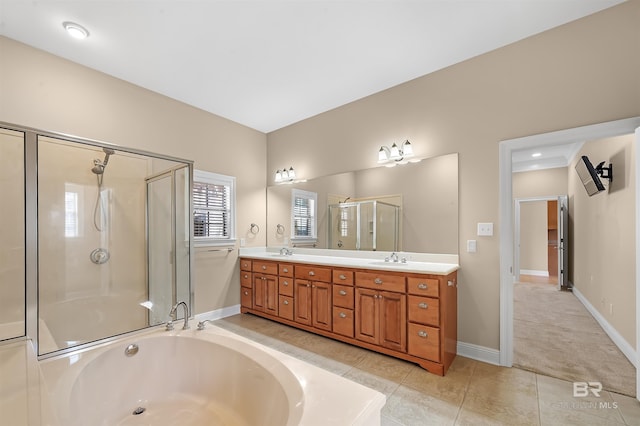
192, 377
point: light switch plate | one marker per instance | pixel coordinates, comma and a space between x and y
471, 246
485, 229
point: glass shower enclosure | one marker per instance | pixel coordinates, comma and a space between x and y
106, 242
364, 225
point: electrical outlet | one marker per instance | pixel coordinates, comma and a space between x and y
485, 229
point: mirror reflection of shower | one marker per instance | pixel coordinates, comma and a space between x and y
99, 211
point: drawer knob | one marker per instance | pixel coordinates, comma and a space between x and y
285, 283
311, 273
422, 333
246, 293
422, 286
451, 283
343, 277
264, 267
246, 276
422, 305
285, 270
286, 302
343, 315
343, 293
377, 281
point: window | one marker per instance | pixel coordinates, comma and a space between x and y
213, 209
303, 215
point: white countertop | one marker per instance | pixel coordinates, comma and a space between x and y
422, 263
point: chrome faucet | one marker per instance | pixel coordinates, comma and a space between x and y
285, 252
202, 323
394, 257
174, 311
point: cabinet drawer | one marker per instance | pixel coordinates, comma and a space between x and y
245, 264
245, 279
424, 342
343, 321
285, 286
425, 310
285, 310
285, 270
381, 281
423, 286
270, 268
246, 297
343, 276
314, 273
343, 296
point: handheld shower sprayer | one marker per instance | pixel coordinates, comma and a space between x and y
98, 166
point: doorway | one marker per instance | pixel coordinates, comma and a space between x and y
541, 226
506, 148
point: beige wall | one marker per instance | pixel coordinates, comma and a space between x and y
43, 91
533, 215
603, 235
577, 74
533, 237
541, 183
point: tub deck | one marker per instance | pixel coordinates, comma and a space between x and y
329, 398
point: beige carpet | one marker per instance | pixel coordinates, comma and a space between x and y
556, 336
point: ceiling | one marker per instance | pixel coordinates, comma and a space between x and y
545, 157
267, 63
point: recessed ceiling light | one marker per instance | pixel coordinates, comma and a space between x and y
536, 154
75, 30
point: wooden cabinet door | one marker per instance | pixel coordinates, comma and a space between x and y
258, 292
321, 308
302, 301
393, 320
265, 293
366, 315
271, 294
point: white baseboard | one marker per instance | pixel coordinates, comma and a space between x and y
534, 272
479, 353
613, 334
218, 313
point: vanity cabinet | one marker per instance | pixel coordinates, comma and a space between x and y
408, 315
265, 287
312, 296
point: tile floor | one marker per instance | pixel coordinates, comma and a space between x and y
472, 392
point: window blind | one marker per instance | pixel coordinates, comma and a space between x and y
211, 210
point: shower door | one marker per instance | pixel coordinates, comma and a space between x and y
168, 230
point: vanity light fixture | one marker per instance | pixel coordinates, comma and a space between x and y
395, 153
75, 30
284, 175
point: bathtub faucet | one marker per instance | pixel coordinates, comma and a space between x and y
174, 311
202, 323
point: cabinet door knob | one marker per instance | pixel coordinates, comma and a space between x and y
422, 305
286, 302
285, 270
285, 283
343, 293
451, 283
313, 286
422, 286
343, 315
422, 333
311, 273
246, 293
343, 277
377, 281
308, 285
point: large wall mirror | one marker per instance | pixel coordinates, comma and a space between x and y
411, 207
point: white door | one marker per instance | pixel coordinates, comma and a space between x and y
563, 242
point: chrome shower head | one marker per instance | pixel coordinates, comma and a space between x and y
98, 165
